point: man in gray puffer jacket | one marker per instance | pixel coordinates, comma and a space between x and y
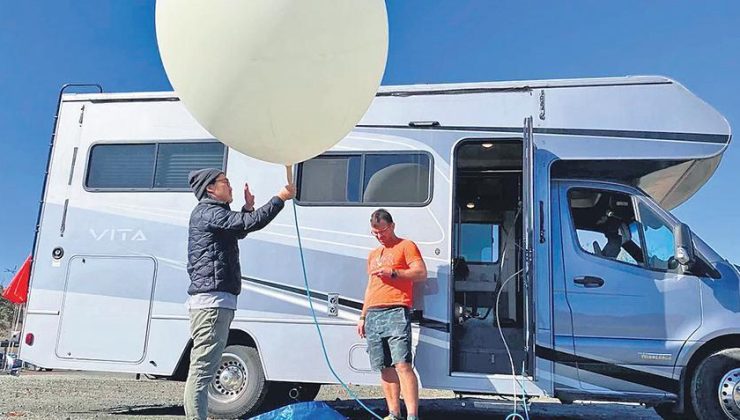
215, 275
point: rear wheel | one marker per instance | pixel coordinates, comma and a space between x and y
239, 387
715, 387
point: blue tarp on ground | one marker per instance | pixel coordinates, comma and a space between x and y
312, 410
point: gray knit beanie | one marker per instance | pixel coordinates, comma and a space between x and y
202, 178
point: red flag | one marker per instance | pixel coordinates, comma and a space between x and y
17, 290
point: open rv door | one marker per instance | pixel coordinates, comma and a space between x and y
528, 223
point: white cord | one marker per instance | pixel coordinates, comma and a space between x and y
514, 414
506, 346
498, 322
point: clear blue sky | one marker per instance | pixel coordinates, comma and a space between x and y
44, 44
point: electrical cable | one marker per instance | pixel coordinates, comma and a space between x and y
316, 322
514, 414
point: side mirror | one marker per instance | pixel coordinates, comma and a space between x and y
683, 245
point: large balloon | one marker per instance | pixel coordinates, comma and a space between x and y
278, 80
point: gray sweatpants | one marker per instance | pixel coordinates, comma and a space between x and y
209, 329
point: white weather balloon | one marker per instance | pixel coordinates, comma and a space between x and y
278, 80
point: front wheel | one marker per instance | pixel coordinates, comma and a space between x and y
239, 386
715, 387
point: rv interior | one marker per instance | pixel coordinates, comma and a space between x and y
487, 260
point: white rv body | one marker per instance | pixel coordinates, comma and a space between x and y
115, 299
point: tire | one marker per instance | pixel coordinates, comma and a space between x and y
715, 381
665, 411
239, 387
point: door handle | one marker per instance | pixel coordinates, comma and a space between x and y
589, 281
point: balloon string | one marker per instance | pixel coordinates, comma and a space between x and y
289, 174
316, 322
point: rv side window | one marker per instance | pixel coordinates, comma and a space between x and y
150, 166
176, 160
396, 178
606, 225
331, 179
372, 179
121, 166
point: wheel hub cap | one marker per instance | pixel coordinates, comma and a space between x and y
230, 379
729, 394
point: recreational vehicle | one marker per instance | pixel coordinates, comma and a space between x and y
542, 210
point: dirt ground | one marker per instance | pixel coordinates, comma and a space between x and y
83, 395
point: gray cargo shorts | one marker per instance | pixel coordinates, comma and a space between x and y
388, 335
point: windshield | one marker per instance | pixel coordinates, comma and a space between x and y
709, 254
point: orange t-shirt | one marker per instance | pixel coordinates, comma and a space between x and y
393, 291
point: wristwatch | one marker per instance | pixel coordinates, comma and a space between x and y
394, 274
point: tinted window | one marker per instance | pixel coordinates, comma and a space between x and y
176, 160
121, 166
396, 178
659, 242
152, 166
371, 178
331, 179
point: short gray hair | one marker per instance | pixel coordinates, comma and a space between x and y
379, 215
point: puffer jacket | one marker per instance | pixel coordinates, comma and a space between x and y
213, 251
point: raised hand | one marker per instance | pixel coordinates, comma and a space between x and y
248, 198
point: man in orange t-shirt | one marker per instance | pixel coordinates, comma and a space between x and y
385, 323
